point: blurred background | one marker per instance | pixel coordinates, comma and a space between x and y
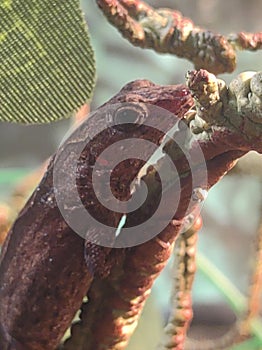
232, 211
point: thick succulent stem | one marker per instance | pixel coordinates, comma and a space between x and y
167, 31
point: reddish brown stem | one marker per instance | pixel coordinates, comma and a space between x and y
167, 31
43, 276
184, 269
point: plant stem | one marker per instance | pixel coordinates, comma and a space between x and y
235, 298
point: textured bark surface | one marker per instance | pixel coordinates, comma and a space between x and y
43, 275
116, 301
167, 31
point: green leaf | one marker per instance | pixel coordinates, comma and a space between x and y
47, 67
250, 344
